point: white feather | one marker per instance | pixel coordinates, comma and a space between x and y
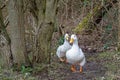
75, 55
61, 50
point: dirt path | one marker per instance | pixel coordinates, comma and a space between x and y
99, 66
92, 70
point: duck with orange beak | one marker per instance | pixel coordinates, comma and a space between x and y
62, 49
75, 55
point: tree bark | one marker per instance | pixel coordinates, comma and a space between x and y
16, 32
119, 26
98, 13
5, 51
46, 30
103, 11
44, 13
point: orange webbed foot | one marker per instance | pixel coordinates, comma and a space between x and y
73, 68
81, 70
62, 60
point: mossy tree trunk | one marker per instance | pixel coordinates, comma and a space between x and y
46, 30
44, 13
96, 15
5, 52
16, 31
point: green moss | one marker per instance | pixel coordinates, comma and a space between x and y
81, 26
85, 22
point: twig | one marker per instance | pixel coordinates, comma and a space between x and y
61, 31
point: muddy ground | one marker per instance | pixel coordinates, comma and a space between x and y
96, 68
99, 66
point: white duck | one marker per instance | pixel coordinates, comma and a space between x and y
61, 50
75, 55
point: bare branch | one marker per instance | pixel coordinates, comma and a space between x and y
61, 31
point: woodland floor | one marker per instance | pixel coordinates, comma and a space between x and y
99, 66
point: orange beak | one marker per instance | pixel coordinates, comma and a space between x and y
71, 40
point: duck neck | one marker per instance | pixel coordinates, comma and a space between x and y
75, 43
66, 42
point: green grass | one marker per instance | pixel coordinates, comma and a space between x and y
111, 60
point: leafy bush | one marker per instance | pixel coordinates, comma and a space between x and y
61, 40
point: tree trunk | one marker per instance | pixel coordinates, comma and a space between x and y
5, 52
16, 32
96, 15
103, 11
119, 26
46, 31
45, 14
